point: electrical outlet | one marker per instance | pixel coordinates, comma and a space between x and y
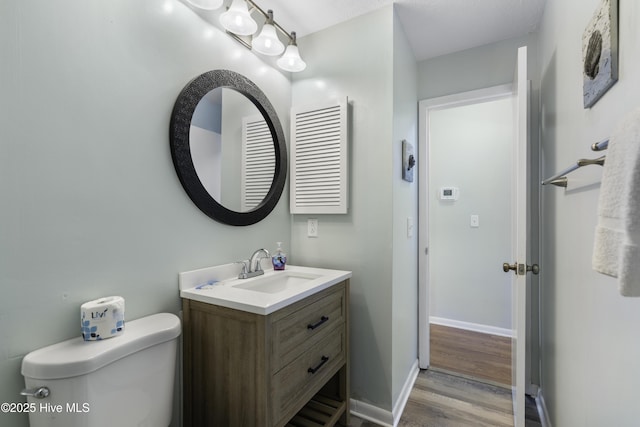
312, 228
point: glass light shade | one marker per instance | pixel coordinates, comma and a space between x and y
291, 60
267, 43
238, 20
206, 4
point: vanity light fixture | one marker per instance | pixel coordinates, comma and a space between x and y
268, 43
206, 4
238, 20
291, 60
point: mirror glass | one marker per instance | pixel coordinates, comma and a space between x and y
228, 147
232, 149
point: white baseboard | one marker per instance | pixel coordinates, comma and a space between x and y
485, 329
371, 413
401, 402
383, 417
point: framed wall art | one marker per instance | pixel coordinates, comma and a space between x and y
600, 52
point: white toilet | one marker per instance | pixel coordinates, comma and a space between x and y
122, 381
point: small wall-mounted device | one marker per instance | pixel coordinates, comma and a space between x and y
408, 161
449, 193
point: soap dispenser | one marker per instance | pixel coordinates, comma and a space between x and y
279, 259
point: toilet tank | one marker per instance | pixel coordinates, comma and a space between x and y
127, 380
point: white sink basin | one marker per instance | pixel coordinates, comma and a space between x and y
274, 283
261, 294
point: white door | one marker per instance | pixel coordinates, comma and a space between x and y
519, 93
518, 265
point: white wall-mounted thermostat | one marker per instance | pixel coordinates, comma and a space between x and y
449, 193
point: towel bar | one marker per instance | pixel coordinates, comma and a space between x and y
560, 179
599, 146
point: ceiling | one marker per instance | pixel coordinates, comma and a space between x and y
433, 27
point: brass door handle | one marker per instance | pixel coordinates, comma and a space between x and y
506, 267
519, 269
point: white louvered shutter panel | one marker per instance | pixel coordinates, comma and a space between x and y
259, 165
319, 176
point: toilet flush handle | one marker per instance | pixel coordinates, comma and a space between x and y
37, 392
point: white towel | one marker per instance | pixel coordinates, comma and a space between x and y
617, 238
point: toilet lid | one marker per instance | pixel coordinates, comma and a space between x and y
78, 357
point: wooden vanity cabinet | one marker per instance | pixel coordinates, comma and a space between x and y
246, 369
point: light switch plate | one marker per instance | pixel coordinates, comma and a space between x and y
475, 221
312, 227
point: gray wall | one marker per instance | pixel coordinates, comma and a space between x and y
476, 68
470, 147
366, 240
91, 204
405, 205
590, 346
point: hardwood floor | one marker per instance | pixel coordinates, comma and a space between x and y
468, 384
473, 354
443, 400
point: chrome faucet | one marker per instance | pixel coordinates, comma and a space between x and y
254, 261
257, 257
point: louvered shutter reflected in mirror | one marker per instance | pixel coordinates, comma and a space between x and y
318, 171
259, 162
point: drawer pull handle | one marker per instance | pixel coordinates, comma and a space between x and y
322, 320
314, 370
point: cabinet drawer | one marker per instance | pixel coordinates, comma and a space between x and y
297, 382
302, 329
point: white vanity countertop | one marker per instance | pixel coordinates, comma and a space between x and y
231, 292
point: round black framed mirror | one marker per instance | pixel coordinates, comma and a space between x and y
202, 180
